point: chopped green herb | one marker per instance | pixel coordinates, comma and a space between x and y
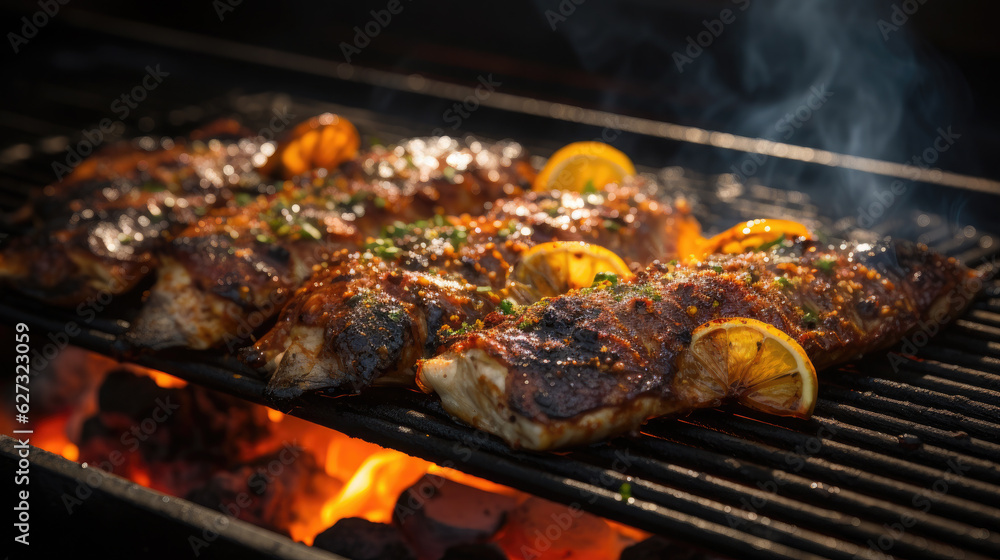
449, 173
374, 141
612, 225
826, 265
508, 307
384, 248
309, 231
458, 237
242, 198
809, 316
648, 291
508, 229
380, 202
674, 262
150, 186
482, 289
438, 220
717, 269
625, 491
606, 277
466, 328
782, 281
589, 188
769, 244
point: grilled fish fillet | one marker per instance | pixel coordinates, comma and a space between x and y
369, 318
230, 273
99, 230
596, 363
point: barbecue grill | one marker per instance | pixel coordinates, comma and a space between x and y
899, 459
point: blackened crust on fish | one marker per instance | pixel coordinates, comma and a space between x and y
603, 348
439, 287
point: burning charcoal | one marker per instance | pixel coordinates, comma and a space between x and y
545, 530
436, 514
180, 424
262, 492
129, 394
656, 548
474, 552
360, 539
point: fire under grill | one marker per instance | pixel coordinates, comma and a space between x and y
901, 457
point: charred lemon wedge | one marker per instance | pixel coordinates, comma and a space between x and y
322, 142
754, 234
583, 165
750, 361
554, 268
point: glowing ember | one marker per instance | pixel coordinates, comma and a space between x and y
312, 477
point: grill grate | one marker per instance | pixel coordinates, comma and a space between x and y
893, 462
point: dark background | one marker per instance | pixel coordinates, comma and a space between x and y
894, 88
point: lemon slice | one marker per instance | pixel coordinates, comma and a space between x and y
754, 234
751, 361
322, 142
582, 165
556, 267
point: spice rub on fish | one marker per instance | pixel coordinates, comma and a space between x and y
368, 318
599, 362
234, 269
99, 230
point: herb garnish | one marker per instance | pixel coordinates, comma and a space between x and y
769, 244
605, 277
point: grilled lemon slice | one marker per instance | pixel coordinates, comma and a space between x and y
750, 361
556, 267
754, 234
582, 165
324, 141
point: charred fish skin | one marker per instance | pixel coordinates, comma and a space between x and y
227, 269
599, 362
421, 177
188, 166
232, 271
421, 283
99, 230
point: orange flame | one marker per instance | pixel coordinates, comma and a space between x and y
354, 479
